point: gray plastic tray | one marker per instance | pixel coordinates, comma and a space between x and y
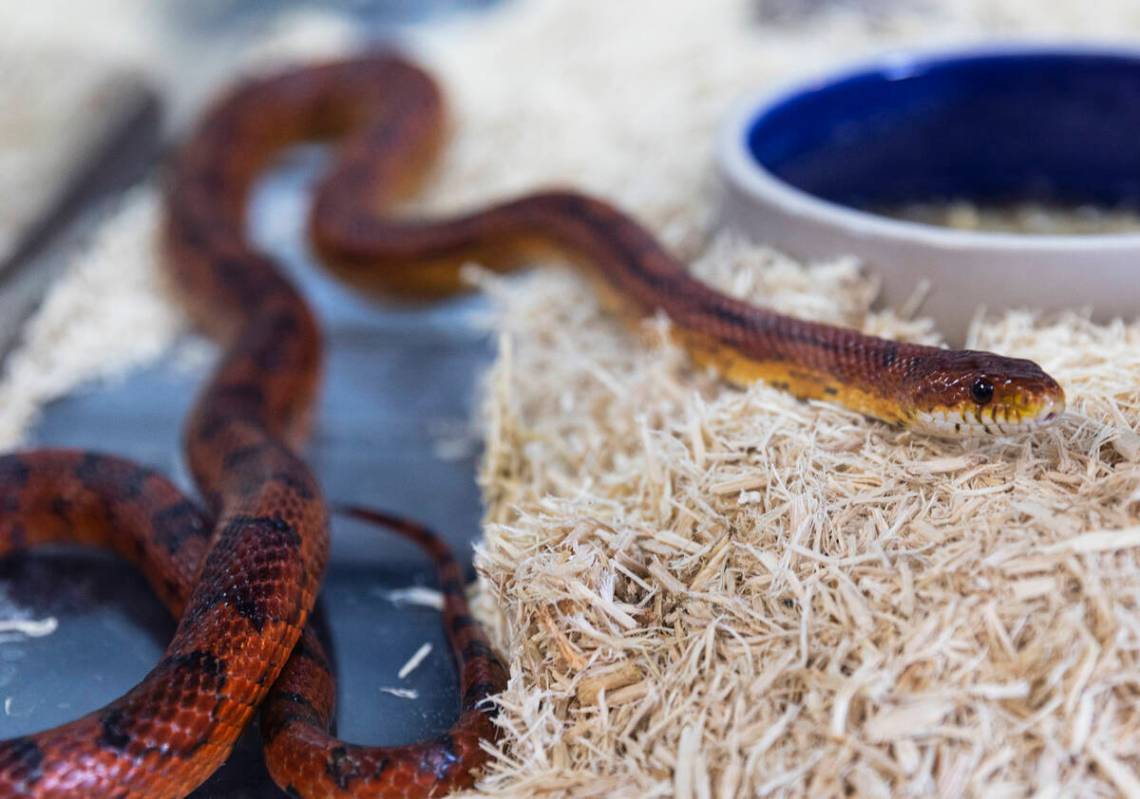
395, 377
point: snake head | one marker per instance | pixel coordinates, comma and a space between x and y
967, 393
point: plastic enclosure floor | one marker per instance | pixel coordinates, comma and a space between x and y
395, 380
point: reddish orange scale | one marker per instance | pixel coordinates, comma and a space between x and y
115, 504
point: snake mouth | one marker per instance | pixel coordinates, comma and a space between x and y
997, 420
1047, 411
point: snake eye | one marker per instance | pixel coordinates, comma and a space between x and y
982, 391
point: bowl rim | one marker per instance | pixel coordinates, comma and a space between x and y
764, 188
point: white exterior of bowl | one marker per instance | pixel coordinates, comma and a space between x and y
965, 270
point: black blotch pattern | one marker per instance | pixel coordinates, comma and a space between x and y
197, 671
89, 471
309, 653
270, 356
267, 542
61, 508
243, 278
295, 698
478, 649
114, 724
211, 424
173, 587
201, 663
283, 709
210, 182
298, 486
452, 585
96, 472
270, 524
239, 458
381, 767
9, 499
21, 760
461, 622
13, 471
176, 523
187, 231
246, 396
18, 536
889, 354
342, 767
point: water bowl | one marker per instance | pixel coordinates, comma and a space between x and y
810, 169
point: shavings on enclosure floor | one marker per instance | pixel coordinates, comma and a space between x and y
781, 598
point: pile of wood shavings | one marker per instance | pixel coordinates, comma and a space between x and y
39, 146
708, 592
712, 592
61, 61
108, 316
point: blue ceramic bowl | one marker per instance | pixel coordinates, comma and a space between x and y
1007, 124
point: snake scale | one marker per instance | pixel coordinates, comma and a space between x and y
241, 571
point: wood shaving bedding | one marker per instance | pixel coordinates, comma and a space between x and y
1028, 217
710, 592
804, 602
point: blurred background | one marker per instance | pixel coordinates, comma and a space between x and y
91, 99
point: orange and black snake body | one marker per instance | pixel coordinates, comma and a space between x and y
242, 571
